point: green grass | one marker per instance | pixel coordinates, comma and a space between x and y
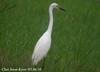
75, 38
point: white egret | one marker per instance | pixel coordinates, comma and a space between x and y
43, 45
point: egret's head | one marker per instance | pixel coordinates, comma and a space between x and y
56, 6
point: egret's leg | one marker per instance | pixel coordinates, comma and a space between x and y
43, 65
35, 66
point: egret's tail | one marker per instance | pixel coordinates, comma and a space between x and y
34, 60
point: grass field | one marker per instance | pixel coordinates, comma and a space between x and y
75, 38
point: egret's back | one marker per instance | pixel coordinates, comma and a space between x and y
41, 48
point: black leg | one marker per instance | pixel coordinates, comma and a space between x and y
35, 66
43, 65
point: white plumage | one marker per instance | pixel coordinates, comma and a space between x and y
41, 48
43, 45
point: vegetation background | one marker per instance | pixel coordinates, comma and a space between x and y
75, 39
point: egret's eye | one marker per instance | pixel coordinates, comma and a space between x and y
56, 6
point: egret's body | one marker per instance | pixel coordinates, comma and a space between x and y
43, 45
41, 48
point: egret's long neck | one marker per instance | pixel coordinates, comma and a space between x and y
50, 20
